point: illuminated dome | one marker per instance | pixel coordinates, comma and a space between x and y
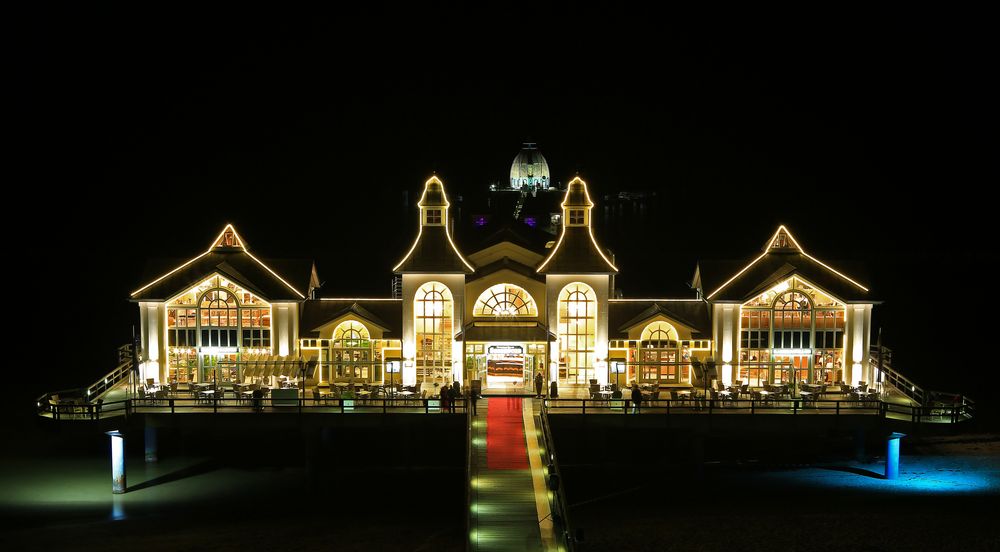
530, 169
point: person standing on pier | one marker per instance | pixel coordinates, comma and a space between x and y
636, 397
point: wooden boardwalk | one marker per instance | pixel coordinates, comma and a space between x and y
505, 500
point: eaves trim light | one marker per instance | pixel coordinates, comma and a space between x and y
239, 240
420, 231
780, 229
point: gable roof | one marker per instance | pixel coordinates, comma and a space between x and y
229, 257
624, 314
782, 258
508, 231
505, 263
385, 313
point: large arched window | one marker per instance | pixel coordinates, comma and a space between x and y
504, 300
433, 306
218, 310
792, 315
659, 354
352, 350
577, 332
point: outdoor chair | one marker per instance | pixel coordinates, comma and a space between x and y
160, 395
810, 399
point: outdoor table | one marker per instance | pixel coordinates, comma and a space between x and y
807, 396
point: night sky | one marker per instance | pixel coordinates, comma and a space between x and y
147, 132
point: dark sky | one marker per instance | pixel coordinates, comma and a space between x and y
146, 132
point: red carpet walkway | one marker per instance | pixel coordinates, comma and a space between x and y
505, 446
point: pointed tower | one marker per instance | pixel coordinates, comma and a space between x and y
433, 251
577, 287
433, 273
577, 251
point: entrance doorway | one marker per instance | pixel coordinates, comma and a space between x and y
505, 367
221, 365
789, 368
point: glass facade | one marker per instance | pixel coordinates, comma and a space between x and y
659, 355
791, 333
352, 352
214, 321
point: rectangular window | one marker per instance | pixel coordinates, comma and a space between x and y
434, 216
576, 216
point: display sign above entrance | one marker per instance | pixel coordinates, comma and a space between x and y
505, 350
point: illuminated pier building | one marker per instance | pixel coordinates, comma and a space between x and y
518, 303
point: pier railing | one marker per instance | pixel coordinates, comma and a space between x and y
305, 406
939, 413
87, 396
558, 504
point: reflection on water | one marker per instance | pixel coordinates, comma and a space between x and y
117, 507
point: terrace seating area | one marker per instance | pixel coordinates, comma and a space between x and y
739, 397
248, 396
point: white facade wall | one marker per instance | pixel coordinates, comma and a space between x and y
285, 329
554, 283
726, 340
857, 341
411, 283
153, 333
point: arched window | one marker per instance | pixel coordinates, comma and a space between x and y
577, 332
433, 306
660, 334
792, 315
505, 300
350, 334
352, 350
659, 355
218, 310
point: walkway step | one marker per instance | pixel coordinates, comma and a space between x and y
505, 491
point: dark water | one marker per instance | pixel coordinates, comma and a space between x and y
944, 500
57, 492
